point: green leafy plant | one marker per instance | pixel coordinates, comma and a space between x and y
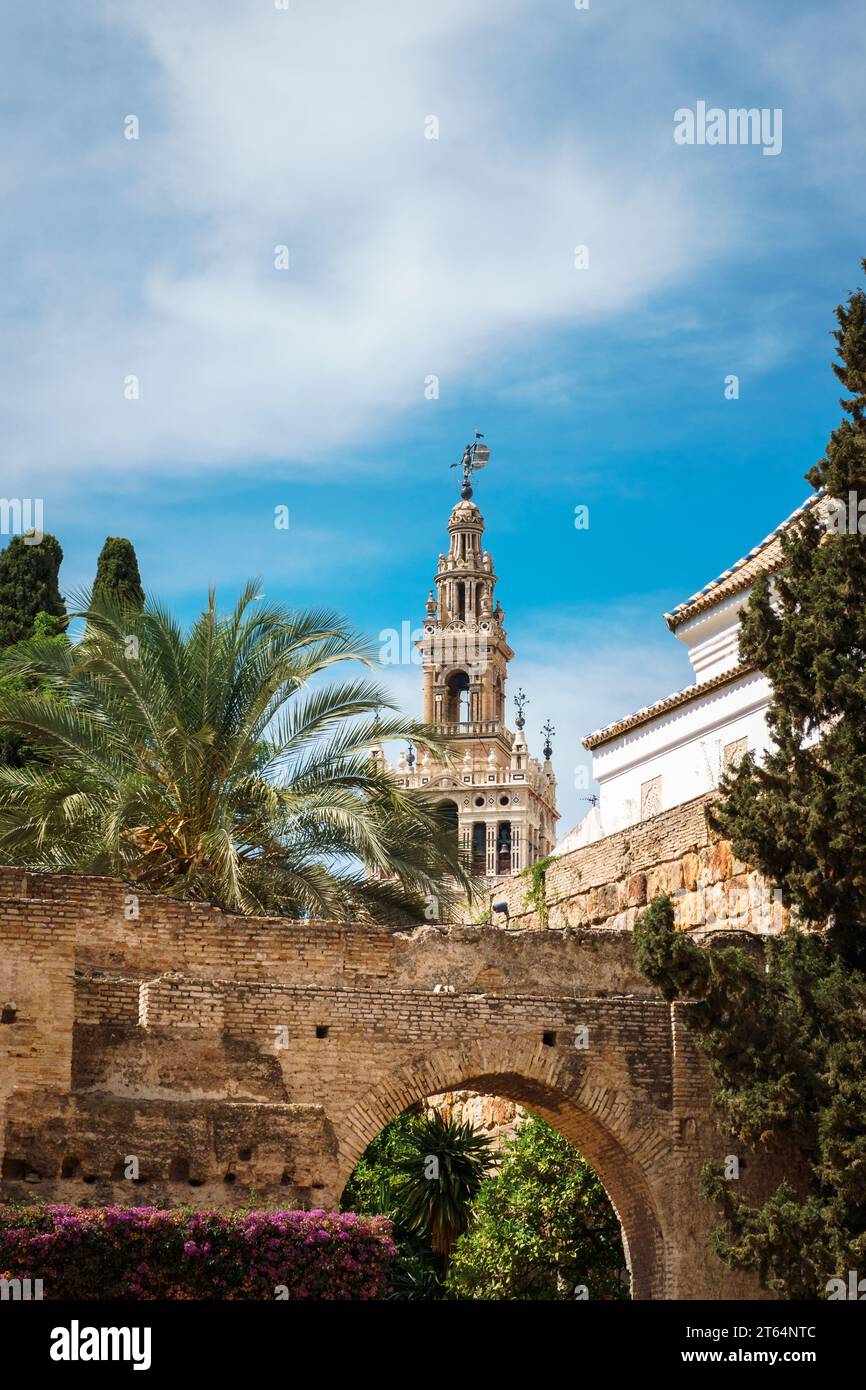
536, 893
373, 1190
28, 585
439, 1173
542, 1228
216, 763
784, 1030
14, 750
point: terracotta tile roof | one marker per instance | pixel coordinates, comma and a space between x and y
766, 556
680, 697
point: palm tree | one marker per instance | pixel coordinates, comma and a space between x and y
202, 763
439, 1174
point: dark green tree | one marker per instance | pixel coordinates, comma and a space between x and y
28, 585
15, 751
117, 577
799, 817
373, 1190
785, 1032
783, 1026
542, 1228
438, 1176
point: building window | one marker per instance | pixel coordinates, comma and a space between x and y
650, 798
457, 698
733, 754
479, 848
503, 847
450, 815
498, 697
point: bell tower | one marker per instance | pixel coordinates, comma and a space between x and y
464, 651
503, 801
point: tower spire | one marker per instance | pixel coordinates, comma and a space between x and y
503, 802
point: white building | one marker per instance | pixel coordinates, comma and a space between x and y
677, 748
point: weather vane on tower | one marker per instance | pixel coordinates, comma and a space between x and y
475, 456
521, 702
547, 733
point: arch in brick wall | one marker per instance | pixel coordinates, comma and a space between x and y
603, 1125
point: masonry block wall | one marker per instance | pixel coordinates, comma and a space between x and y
162, 1052
610, 882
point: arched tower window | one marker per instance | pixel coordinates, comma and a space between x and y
498, 698
457, 694
450, 815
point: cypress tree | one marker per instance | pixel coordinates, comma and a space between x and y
799, 818
14, 750
785, 1034
28, 585
117, 577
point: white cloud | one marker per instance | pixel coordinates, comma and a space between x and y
409, 257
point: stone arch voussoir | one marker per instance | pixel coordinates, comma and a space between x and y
601, 1123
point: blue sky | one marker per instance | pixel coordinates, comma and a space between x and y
410, 257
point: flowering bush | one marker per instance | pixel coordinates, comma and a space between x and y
149, 1253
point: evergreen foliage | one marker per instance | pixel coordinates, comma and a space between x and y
373, 1190
542, 1228
14, 749
28, 585
117, 578
799, 817
438, 1175
785, 1030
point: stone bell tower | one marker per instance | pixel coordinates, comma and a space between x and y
503, 800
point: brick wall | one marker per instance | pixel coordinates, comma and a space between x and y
167, 1052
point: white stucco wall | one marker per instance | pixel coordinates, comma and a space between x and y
684, 747
712, 637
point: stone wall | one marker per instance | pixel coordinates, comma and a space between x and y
494, 1116
609, 883
158, 1051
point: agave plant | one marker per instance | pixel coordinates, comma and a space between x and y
209, 763
438, 1176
